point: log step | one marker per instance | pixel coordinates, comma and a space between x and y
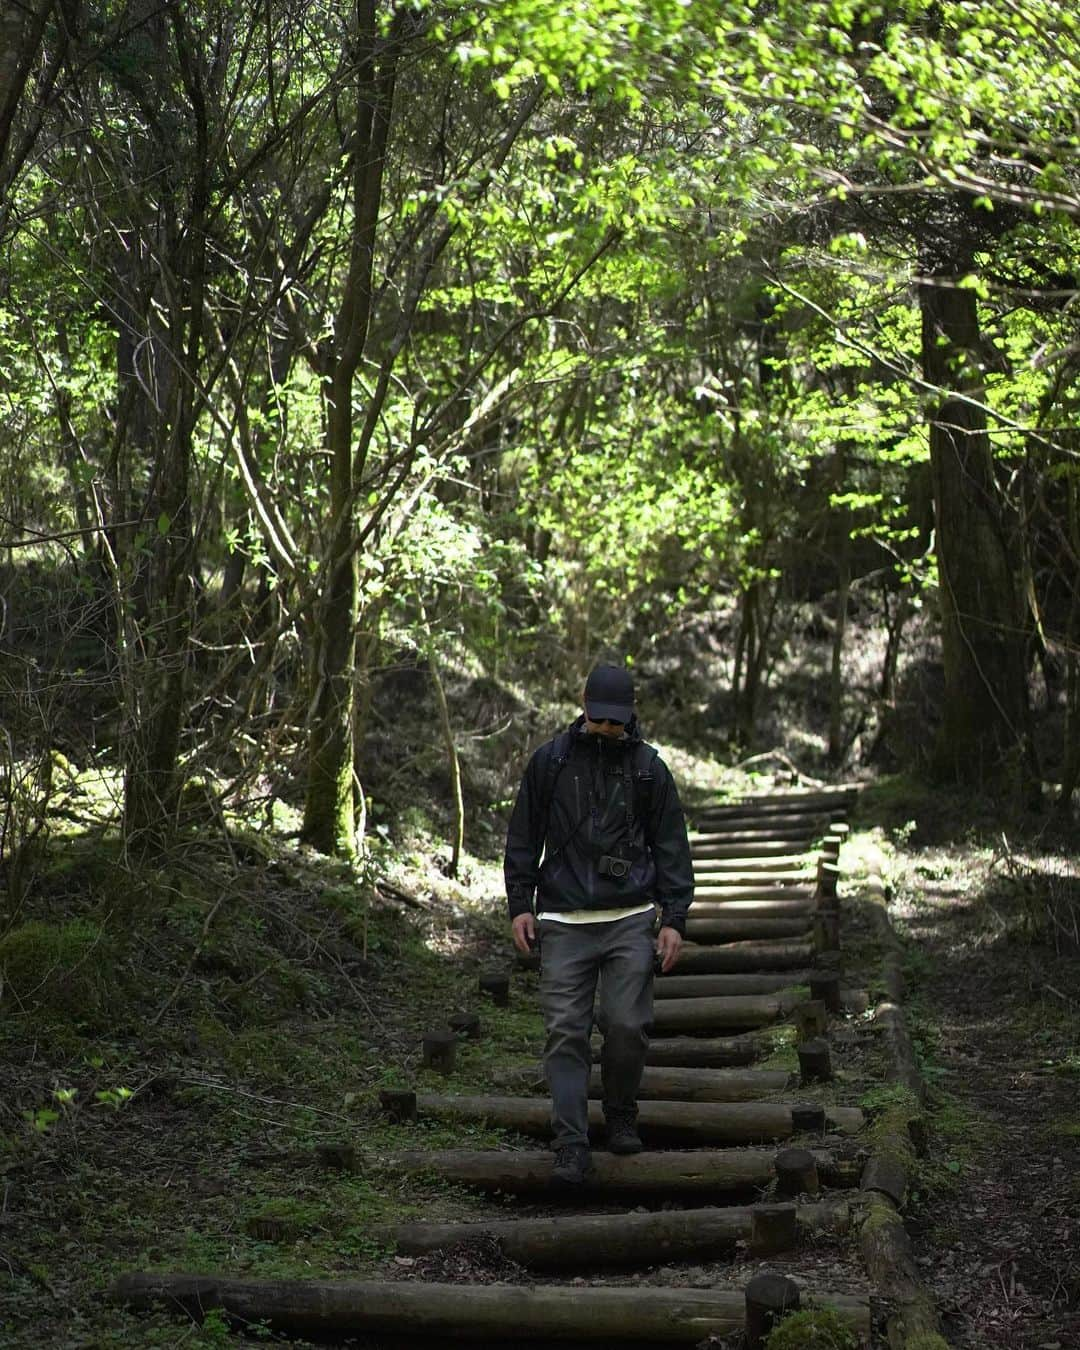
703, 1085
682, 1123
704, 1052
780, 908
795, 876
787, 799
811, 829
726, 1013
782, 862
625, 1240
706, 850
750, 957
714, 986
673, 1084
727, 930
692, 1176
472, 1311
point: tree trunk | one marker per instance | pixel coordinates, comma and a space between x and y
985, 735
330, 803
843, 586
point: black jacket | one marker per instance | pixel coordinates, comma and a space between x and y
589, 818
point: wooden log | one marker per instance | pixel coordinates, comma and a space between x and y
399, 1105
703, 1085
495, 984
703, 1052
440, 1050
769, 1298
333, 1308
815, 1062
729, 930
810, 1019
796, 1172
720, 1014
694, 1176
732, 957
780, 876
799, 886
890, 1262
659, 1122
887, 1175
790, 799
681, 1123
706, 850
786, 862
716, 986
828, 874
783, 908
806, 828
825, 985
624, 1240
773, 1228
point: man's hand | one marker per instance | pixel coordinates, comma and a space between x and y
524, 930
668, 947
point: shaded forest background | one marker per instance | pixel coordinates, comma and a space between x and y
368, 370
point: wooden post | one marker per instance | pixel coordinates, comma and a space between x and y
399, 1105
810, 1019
827, 929
440, 1051
769, 1298
496, 985
825, 985
815, 1063
465, 1025
773, 1229
340, 1157
827, 876
796, 1173
810, 1117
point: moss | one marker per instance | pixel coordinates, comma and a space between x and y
67, 969
812, 1329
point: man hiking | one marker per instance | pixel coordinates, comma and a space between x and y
601, 806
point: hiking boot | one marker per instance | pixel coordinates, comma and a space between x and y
622, 1135
573, 1165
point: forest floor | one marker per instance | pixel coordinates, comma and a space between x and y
995, 1005
249, 1001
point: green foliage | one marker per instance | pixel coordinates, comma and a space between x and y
812, 1329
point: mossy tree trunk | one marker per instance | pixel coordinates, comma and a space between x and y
330, 803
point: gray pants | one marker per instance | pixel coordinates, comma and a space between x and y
574, 957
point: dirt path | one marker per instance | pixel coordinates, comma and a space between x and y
999, 1019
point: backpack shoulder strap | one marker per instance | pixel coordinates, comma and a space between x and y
643, 769
557, 757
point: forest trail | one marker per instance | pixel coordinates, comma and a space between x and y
765, 1171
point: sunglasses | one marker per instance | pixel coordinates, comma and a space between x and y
606, 721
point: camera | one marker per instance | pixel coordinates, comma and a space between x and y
616, 868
